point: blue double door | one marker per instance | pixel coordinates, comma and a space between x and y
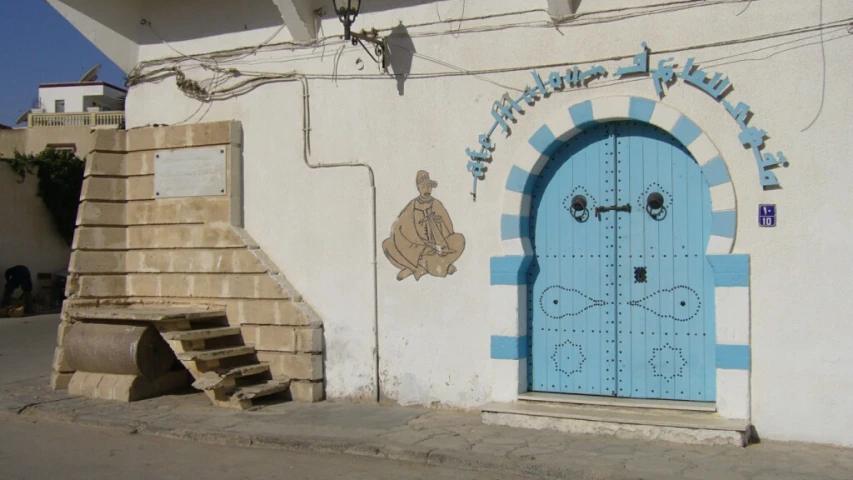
620, 293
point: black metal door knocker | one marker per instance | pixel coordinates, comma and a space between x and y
655, 206
578, 208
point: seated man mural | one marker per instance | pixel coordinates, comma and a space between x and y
18, 277
422, 238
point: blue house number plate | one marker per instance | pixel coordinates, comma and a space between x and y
767, 215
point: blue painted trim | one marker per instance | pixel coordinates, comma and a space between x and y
544, 141
732, 357
723, 223
509, 348
730, 270
685, 131
716, 172
510, 270
513, 226
582, 113
520, 180
641, 109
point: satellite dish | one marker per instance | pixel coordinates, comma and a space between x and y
91, 75
23, 118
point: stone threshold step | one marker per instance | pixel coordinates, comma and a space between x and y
564, 398
143, 314
703, 428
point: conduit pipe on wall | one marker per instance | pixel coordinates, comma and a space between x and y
306, 150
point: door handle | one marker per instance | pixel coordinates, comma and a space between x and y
614, 208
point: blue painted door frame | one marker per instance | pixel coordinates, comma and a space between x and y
621, 299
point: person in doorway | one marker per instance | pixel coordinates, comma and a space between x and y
422, 238
18, 277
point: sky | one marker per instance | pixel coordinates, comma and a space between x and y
37, 45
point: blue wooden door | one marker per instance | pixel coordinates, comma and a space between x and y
620, 294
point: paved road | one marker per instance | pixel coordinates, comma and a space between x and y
26, 347
36, 450
42, 449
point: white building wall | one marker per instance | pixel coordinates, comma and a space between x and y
434, 334
73, 96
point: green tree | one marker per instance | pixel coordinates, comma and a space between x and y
60, 176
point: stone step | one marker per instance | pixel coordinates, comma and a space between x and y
216, 379
555, 399
201, 334
215, 354
704, 428
252, 392
145, 314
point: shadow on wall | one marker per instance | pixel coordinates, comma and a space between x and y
401, 51
188, 19
177, 21
122, 17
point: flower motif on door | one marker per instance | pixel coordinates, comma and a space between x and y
568, 358
667, 362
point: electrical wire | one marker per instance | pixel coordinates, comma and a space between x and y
159, 74
550, 23
823, 71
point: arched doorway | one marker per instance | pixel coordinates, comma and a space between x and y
620, 291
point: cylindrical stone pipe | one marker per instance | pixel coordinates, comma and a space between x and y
118, 349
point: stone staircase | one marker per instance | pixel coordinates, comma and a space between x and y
226, 369
134, 249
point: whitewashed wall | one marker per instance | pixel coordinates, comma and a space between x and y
434, 334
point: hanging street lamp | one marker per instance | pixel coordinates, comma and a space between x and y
347, 10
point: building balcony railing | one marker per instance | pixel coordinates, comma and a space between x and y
80, 119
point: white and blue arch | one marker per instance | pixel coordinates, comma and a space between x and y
509, 271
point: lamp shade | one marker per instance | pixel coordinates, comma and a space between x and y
349, 8
346, 11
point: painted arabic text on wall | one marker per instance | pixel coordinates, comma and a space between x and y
663, 77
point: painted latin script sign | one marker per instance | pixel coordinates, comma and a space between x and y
663, 77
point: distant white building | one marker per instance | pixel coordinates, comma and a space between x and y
81, 97
81, 103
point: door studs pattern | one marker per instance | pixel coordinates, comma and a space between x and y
653, 187
576, 355
553, 296
667, 369
570, 203
683, 296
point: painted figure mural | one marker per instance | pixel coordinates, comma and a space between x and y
422, 238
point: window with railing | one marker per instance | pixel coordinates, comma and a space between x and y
59, 106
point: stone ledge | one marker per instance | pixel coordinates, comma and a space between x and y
239, 311
183, 136
158, 314
700, 428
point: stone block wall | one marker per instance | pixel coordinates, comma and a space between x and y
131, 248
